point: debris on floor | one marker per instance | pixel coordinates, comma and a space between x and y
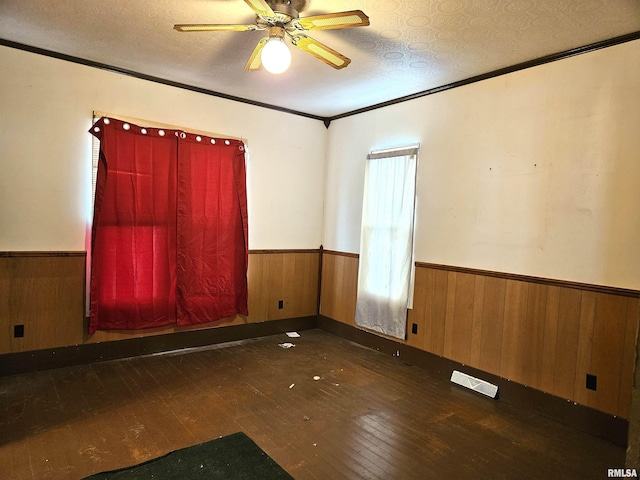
286, 345
293, 334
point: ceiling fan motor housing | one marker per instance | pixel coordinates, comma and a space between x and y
297, 5
285, 10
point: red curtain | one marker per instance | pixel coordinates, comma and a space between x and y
169, 239
212, 230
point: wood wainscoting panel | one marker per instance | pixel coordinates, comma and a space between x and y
585, 345
629, 357
562, 329
514, 331
607, 351
460, 317
550, 340
416, 317
532, 333
339, 286
436, 311
541, 333
43, 295
492, 324
476, 333
6, 328
46, 295
289, 277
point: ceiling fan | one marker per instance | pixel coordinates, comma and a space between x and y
280, 18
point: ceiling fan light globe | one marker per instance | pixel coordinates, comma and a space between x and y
275, 56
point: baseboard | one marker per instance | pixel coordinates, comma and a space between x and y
31, 361
585, 419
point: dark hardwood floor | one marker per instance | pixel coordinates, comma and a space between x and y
368, 416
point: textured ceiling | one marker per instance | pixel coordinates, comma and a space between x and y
411, 45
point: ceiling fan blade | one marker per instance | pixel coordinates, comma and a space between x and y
255, 62
353, 18
320, 51
214, 28
261, 8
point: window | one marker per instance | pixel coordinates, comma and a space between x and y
169, 237
385, 272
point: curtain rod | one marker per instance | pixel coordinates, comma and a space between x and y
404, 150
149, 123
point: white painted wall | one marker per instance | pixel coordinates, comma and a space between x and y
46, 108
536, 172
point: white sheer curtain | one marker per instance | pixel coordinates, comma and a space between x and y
385, 274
